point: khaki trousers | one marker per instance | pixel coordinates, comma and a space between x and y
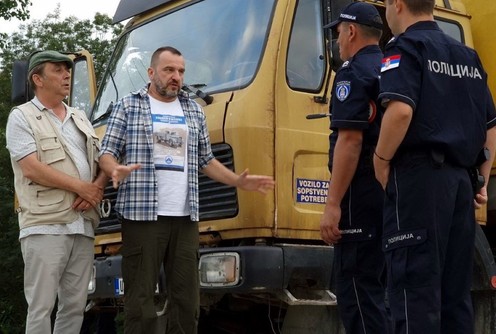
56, 265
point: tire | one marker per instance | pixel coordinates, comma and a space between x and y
312, 319
484, 311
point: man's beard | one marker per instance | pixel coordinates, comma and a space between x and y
163, 91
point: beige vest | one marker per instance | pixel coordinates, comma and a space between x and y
46, 205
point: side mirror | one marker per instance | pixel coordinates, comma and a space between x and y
336, 61
21, 92
336, 7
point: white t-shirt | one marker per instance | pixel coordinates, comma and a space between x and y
170, 144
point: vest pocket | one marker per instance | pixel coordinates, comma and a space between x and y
49, 200
51, 149
95, 143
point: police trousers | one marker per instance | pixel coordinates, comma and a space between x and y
171, 242
359, 264
429, 237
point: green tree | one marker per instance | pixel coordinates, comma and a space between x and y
14, 8
66, 35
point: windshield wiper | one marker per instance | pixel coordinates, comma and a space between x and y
195, 90
105, 115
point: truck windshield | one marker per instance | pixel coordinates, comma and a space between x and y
221, 41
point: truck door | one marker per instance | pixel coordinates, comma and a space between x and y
83, 83
83, 86
301, 143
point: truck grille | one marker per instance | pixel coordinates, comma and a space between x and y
217, 201
111, 223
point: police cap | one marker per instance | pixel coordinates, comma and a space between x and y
361, 13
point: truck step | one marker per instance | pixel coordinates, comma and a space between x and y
327, 298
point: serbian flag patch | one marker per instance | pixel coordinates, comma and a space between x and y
390, 62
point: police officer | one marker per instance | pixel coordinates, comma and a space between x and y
439, 117
352, 218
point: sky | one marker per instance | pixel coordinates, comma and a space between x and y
82, 9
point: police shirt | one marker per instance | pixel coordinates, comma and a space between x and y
444, 83
353, 103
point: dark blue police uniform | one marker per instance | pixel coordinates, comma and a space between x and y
358, 258
429, 221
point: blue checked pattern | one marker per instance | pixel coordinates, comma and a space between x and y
129, 139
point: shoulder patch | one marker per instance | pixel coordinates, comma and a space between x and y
390, 62
372, 111
343, 89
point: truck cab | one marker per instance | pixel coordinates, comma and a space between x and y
262, 70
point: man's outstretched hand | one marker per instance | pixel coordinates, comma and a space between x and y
120, 172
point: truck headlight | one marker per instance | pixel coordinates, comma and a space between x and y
219, 269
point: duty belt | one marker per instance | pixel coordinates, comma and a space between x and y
437, 157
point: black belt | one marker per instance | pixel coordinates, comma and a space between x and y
437, 157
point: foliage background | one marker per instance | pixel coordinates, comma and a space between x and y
55, 33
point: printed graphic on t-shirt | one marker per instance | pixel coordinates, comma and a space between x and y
169, 141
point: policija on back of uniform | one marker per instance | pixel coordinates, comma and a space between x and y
412, 145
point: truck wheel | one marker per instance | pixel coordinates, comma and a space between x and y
484, 310
304, 319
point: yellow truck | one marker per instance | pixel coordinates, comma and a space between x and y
263, 72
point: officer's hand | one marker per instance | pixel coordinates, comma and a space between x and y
381, 169
329, 230
481, 198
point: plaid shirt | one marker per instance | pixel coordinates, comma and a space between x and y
129, 139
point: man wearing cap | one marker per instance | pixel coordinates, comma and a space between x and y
352, 219
54, 154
